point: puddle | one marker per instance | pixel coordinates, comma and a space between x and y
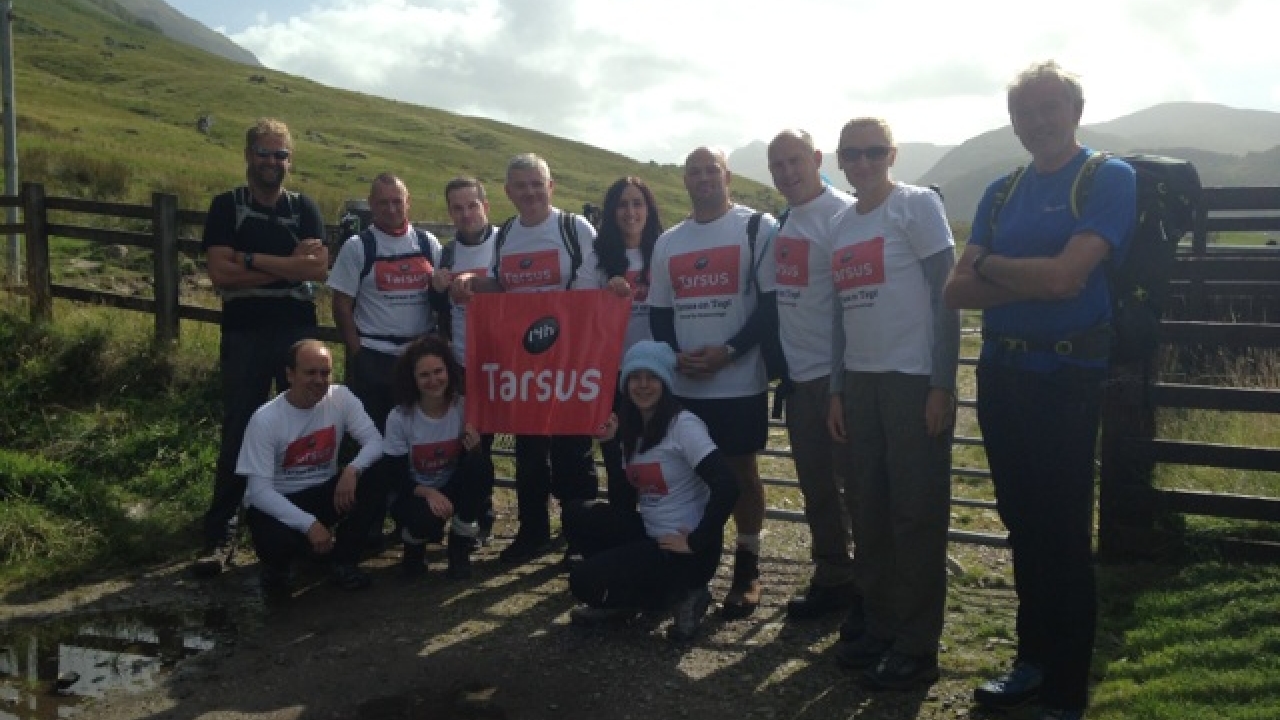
47, 668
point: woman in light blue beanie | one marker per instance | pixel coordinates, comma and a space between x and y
658, 546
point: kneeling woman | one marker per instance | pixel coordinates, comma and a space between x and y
662, 544
434, 459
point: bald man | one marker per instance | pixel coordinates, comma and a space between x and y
712, 300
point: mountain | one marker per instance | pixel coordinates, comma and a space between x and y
1229, 146
107, 108
183, 29
914, 159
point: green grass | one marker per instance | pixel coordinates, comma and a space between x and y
107, 109
107, 443
1185, 643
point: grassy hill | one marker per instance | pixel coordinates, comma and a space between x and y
107, 108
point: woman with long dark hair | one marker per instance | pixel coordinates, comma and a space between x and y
657, 543
435, 459
629, 228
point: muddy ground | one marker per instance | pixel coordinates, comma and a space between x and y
501, 647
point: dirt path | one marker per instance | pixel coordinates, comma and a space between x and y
500, 647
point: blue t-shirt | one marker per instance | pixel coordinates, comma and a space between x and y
1036, 221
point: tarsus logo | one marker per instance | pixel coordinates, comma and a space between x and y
702, 263
526, 263
541, 335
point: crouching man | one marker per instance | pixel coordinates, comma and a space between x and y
297, 503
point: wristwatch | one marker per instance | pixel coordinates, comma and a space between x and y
248, 261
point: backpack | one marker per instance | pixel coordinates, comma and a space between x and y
775, 363
1167, 197
370, 246
244, 210
568, 235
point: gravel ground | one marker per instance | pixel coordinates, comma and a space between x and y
501, 647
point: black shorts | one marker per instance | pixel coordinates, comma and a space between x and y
738, 426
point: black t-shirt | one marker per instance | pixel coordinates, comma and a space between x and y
263, 233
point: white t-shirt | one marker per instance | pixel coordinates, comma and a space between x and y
534, 259
806, 297
670, 495
701, 270
391, 301
476, 259
884, 298
638, 323
432, 444
288, 449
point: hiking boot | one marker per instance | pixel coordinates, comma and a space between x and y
349, 577
897, 671
819, 600
213, 560
855, 623
1057, 714
413, 563
587, 616
1017, 687
687, 615
862, 653
525, 547
745, 590
459, 554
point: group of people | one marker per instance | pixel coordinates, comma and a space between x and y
860, 292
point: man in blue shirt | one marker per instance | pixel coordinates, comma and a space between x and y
1037, 271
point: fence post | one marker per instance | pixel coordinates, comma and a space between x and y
39, 283
1126, 503
164, 257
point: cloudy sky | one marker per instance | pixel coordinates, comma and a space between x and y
654, 78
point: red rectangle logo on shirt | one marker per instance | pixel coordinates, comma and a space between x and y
791, 255
311, 450
543, 363
430, 458
530, 270
647, 479
706, 273
639, 291
859, 265
408, 274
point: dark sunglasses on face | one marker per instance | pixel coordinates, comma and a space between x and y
277, 154
874, 153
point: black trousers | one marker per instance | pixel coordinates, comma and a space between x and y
546, 465
623, 567
469, 489
278, 544
1040, 431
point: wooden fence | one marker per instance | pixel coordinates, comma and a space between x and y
1206, 280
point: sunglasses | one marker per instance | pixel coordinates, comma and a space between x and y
277, 154
874, 153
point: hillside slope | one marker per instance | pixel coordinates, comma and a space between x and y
101, 98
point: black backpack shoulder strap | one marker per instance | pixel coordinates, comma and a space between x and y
499, 241
569, 236
753, 229
370, 246
446, 254
1002, 196
424, 245
1083, 183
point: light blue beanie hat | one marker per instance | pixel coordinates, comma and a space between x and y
656, 357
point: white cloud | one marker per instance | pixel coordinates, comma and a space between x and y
654, 78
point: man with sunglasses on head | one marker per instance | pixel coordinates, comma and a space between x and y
263, 249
